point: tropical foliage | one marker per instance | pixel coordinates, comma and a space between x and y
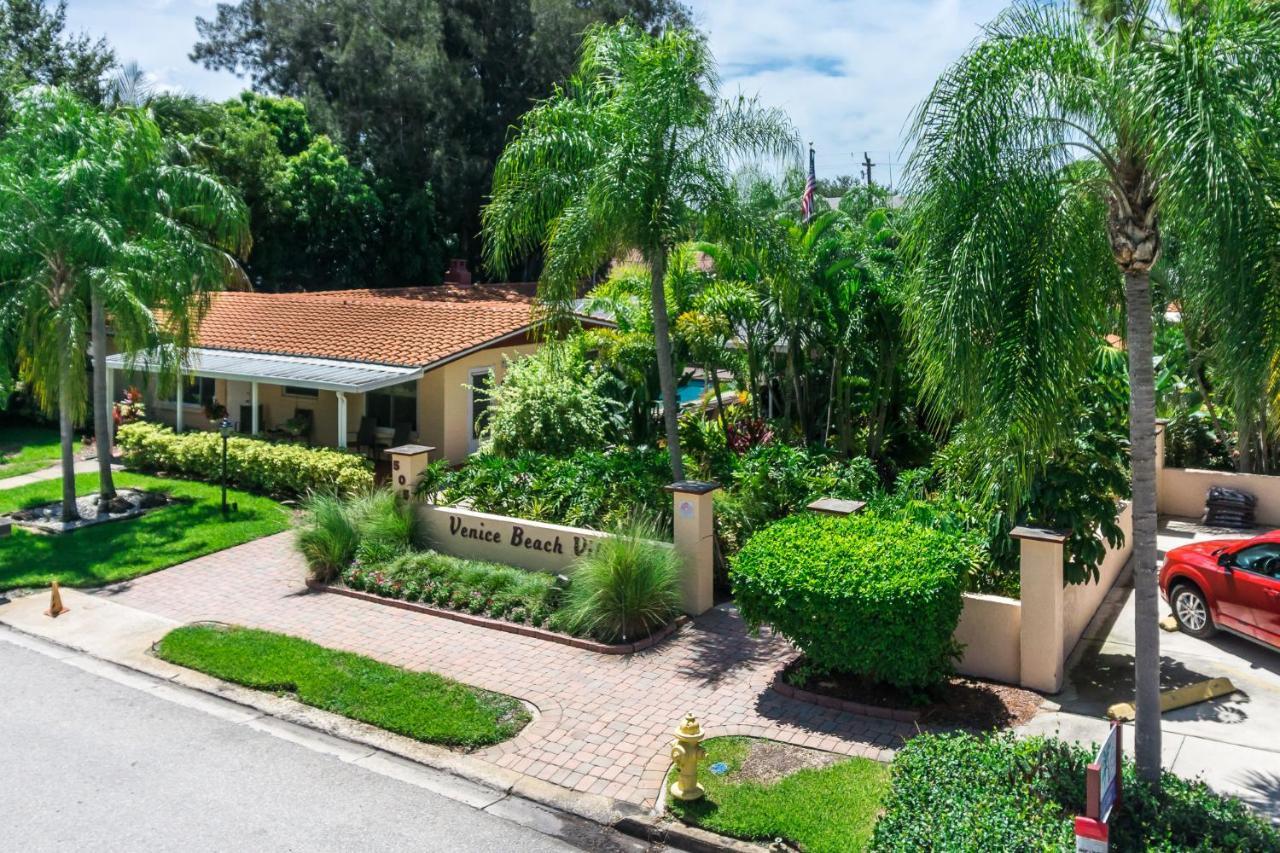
632, 154
1052, 163
100, 219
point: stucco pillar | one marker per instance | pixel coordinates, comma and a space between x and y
1041, 640
177, 415
254, 426
407, 464
694, 533
342, 418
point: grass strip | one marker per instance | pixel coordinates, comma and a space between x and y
191, 527
420, 705
827, 810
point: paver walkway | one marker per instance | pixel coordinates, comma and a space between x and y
604, 722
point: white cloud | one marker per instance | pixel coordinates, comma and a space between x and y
158, 35
848, 71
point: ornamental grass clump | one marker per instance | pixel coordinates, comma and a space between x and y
371, 528
328, 538
625, 589
862, 595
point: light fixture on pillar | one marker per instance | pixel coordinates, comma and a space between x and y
225, 428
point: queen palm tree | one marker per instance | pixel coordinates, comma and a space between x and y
102, 221
1049, 163
632, 153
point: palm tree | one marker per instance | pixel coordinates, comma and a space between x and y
104, 222
1050, 161
631, 154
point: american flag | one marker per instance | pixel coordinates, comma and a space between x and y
806, 201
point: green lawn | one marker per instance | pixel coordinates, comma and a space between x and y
119, 550
420, 705
24, 449
827, 810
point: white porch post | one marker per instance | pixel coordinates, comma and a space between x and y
111, 412
253, 405
342, 418
177, 422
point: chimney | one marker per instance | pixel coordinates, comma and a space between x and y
458, 273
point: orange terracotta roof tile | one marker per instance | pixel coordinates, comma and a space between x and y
412, 327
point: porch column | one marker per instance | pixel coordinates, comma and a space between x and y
177, 417
342, 418
111, 412
255, 427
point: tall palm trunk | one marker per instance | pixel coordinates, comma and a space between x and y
1142, 442
102, 420
66, 431
1135, 242
666, 373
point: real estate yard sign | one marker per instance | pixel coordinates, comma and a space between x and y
1102, 795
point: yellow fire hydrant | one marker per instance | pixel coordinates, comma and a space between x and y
686, 752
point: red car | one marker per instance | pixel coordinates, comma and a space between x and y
1232, 584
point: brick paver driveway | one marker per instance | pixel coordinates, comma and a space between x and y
604, 720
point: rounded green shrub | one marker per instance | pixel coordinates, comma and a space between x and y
865, 595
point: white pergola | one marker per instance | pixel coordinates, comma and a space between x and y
323, 374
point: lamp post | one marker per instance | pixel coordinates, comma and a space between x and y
224, 429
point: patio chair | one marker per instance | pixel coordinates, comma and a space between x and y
367, 435
401, 436
306, 419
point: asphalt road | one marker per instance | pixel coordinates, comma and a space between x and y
90, 764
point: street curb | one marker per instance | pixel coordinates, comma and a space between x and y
569, 806
673, 833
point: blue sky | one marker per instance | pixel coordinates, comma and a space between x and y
849, 72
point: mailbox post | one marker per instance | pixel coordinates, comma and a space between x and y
407, 464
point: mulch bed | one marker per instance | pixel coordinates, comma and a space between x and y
968, 703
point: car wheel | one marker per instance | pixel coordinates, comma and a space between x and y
1191, 611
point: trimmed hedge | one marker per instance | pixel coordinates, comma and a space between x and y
253, 464
871, 596
995, 792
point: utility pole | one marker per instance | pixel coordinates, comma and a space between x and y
866, 165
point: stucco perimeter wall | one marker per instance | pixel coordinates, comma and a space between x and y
990, 631
990, 627
1181, 491
532, 545
1081, 601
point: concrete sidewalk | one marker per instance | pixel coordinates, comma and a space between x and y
53, 472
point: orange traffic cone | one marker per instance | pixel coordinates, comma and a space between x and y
55, 602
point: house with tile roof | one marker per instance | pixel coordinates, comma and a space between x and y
347, 367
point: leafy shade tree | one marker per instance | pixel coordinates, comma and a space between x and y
423, 92
632, 154
36, 49
319, 220
101, 222
1049, 162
